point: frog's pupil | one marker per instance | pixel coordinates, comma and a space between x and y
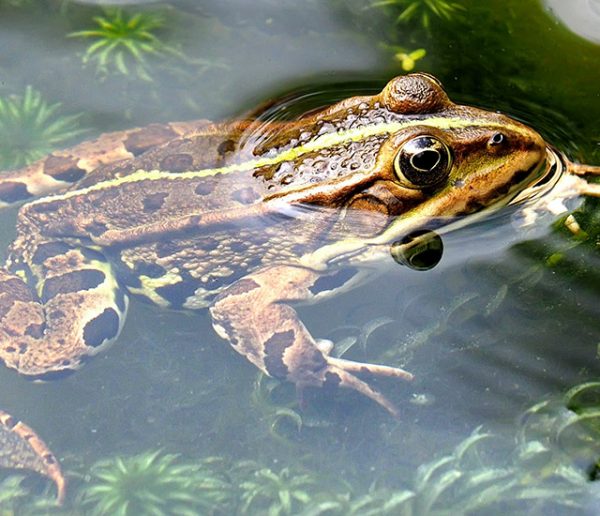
426, 160
497, 139
423, 162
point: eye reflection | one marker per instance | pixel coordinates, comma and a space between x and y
420, 250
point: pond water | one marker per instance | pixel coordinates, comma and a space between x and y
502, 335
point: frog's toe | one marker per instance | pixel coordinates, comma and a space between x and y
374, 369
21, 448
337, 376
341, 372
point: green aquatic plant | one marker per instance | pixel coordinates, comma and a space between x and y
374, 503
123, 42
473, 480
540, 466
12, 493
148, 483
277, 411
407, 59
422, 10
285, 492
15, 498
30, 128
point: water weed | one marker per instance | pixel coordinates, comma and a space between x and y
422, 11
149, 483
30, 128
123, 42
282, 492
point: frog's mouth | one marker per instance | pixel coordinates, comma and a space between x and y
551, 170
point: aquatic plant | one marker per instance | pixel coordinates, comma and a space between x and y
276, 411
285, 492
31, 128
422, 10
123, 41
407, 58
374, 503
540, 466
148, 483
11, 493
15, 498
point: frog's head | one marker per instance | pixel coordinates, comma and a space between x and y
435, 158
443, 159
411, 150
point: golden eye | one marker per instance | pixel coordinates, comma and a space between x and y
423, 162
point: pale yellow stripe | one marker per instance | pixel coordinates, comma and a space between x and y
322, 142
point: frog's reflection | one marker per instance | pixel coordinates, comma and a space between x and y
420, 250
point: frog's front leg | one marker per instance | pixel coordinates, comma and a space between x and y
59, 304
251, 314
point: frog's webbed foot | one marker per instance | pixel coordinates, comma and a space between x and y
252, 316
21, 448
341, 372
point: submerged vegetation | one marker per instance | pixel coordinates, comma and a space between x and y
549, 461
30, 128
422, 11
150, 483
283, 492
122, 42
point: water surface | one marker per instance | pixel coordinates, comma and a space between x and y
508, 320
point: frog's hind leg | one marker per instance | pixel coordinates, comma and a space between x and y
22, 448
253, 316
336, 375
63, 168
59, 304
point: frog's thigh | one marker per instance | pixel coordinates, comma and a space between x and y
71, 308
251, 315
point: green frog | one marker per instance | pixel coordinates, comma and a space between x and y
243, 218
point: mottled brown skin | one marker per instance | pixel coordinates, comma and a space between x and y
157, 213
182, 238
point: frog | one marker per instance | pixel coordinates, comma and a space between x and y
245, 218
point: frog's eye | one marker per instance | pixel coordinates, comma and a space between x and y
423, 162
497, 139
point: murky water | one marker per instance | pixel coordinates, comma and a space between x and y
495, 334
